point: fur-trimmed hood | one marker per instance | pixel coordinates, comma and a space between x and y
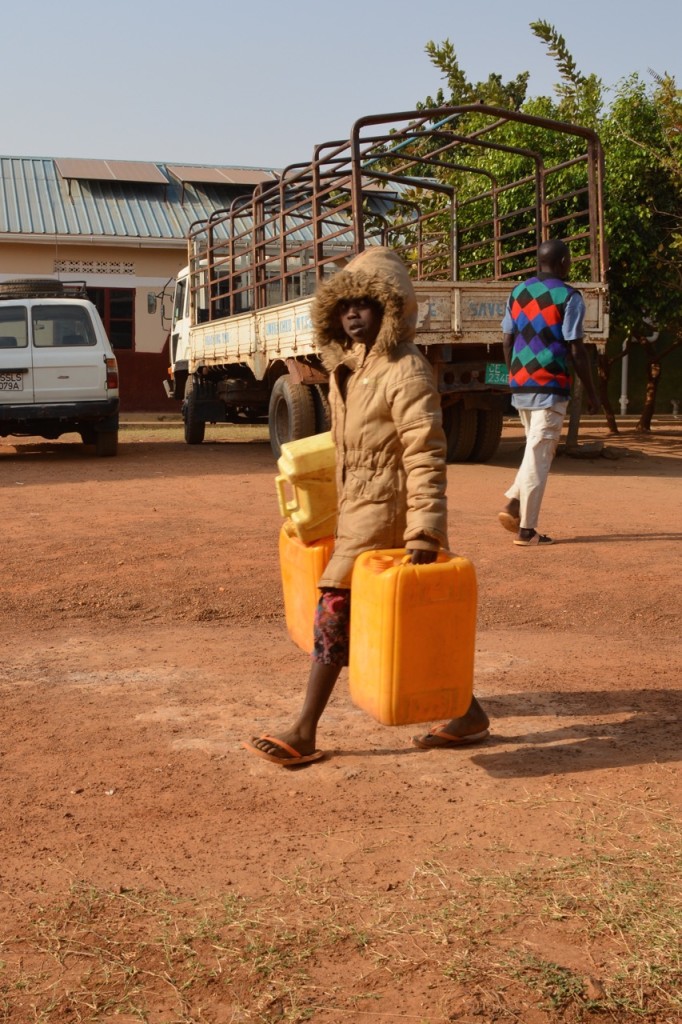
377, 273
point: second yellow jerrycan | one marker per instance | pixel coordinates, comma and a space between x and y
307, 469
412, 637
301, 566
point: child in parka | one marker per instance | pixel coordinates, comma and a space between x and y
391, 471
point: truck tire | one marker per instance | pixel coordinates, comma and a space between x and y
291, 412
488, 434
31, 288
106, 443
460, 426
195, 428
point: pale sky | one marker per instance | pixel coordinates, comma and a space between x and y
260, 83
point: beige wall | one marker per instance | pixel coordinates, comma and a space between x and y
146, 269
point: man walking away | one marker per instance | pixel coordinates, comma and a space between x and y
542, 326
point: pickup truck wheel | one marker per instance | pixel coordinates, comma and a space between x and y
106, 443
488, 434
291, 413
460, 426
195, 428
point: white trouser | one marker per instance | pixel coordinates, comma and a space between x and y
543, 430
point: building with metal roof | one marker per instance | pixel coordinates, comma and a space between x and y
121, 227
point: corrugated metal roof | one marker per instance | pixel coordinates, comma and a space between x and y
36, 200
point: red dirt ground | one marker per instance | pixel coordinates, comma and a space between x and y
144, 640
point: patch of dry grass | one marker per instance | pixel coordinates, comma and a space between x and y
482, 945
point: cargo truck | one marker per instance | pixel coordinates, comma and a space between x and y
465, 194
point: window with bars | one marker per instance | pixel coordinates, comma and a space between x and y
116, 306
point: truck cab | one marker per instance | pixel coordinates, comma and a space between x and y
179, 338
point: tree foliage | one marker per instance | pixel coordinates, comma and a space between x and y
642, 212
580, 97
460, 90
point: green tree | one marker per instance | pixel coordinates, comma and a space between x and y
643, 197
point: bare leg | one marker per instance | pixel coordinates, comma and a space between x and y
475, 720
469, 728
302, 735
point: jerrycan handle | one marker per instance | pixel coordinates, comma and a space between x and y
285, 507
407, 560
379, 563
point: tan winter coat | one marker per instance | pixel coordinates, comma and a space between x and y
390, 445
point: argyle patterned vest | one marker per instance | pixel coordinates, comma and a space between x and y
539, 361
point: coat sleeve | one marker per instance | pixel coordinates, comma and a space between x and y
416, 411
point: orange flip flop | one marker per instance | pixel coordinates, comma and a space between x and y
294, 756
448, 740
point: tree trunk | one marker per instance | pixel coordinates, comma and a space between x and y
653, 376
574, 413
604, 365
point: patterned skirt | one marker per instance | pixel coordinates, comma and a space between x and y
332, 627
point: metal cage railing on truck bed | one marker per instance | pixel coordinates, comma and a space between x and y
463, 193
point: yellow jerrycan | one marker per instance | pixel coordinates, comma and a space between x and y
306, 486
412, 637
301, 566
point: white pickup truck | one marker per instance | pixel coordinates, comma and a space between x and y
58, 373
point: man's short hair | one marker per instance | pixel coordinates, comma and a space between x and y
552, 253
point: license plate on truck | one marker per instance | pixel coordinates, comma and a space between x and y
11, 382
496, 373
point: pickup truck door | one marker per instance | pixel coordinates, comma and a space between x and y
16, 364
68, 357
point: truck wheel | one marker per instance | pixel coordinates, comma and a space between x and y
488, 434
291, 413
195, 428
106, 443
460, 426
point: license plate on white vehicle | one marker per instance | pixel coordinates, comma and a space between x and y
11, 382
